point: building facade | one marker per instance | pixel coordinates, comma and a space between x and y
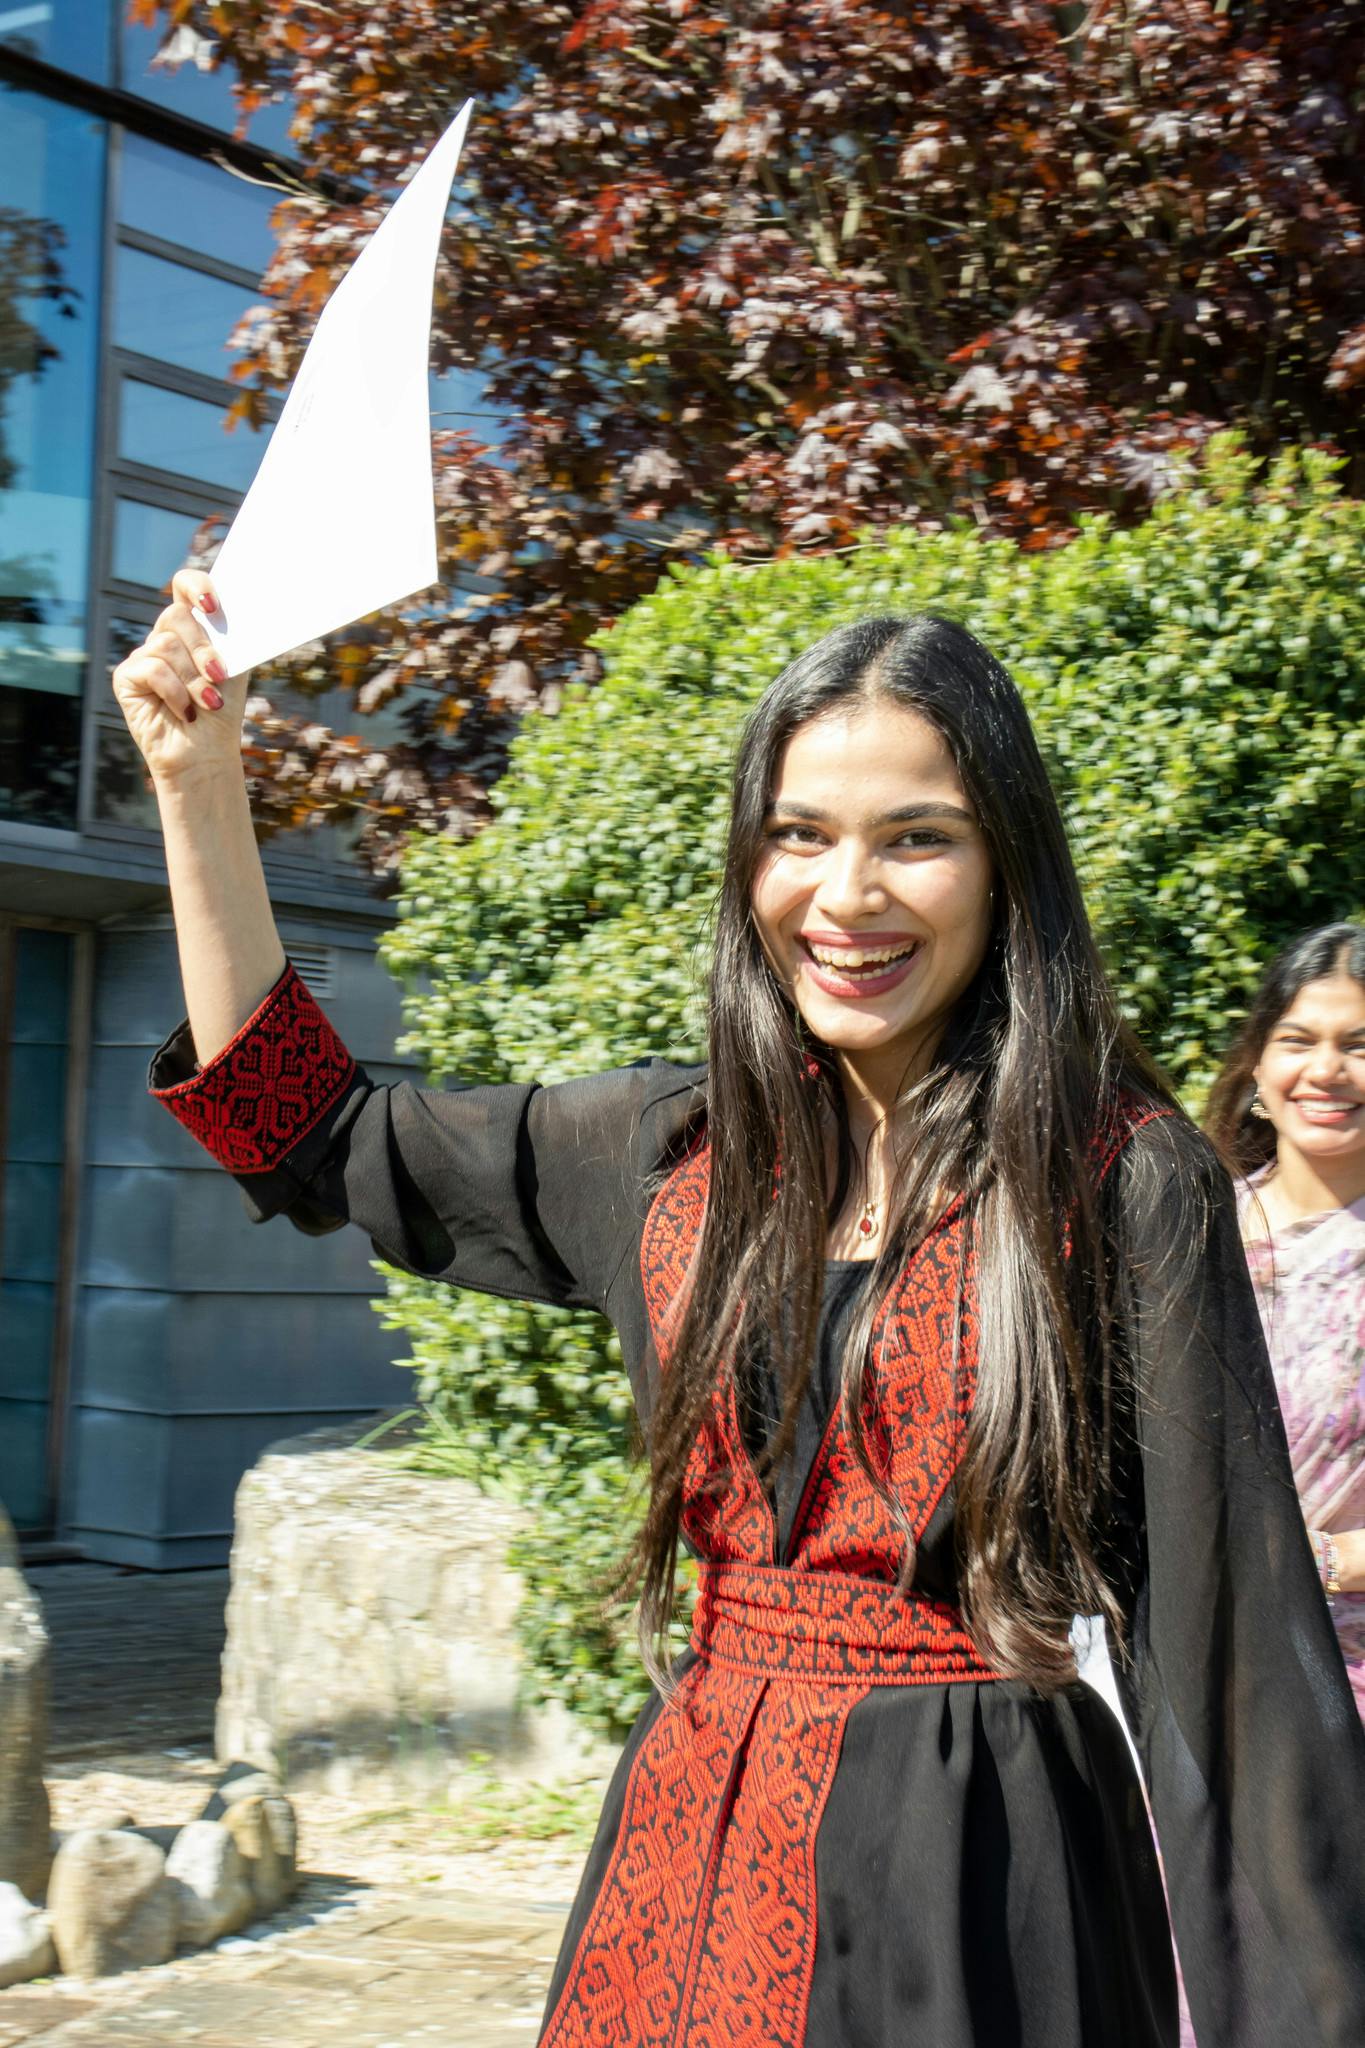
151, 1340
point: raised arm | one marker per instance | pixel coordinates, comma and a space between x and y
186, 719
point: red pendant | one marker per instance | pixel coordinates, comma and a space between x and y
866, 1225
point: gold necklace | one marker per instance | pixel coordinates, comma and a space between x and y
867, 1222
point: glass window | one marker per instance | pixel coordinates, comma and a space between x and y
40, 751
202, 94
178, 315
123, 795
52, 180
75, 35
186, 435
184, 199
150, 542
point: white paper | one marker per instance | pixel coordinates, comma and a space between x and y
340, 519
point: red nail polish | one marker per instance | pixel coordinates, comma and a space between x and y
190, 715
216, 669
212, 699
207, 603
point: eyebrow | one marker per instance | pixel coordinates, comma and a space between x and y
1310, 1031
905, 814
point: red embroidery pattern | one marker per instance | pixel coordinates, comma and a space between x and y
755, 1953
917, 1403
703, 1932
826, 1625
726, 1513
269, 1085
626, 1987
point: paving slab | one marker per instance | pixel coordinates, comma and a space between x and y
395, 1939
465, 1971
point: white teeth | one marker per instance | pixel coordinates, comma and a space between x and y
851, 957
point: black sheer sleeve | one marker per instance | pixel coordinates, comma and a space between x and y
535, 1193
1236, 1690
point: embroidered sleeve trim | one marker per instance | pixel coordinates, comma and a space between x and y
270, 1085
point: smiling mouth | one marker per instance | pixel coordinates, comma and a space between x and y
854, 963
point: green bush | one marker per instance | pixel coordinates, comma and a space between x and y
1198, 687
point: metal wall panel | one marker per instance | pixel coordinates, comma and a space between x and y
158, 1490
199, 1337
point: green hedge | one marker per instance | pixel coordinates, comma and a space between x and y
1198, 687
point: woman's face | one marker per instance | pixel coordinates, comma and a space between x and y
1311, 1072
872, 895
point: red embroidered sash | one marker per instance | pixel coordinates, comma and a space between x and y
703, 1929
843, 1631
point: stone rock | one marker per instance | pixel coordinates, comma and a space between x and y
25, 1822
26, 1949
372, 1639
110, 1903
266, 1832
109, 1823
161, 1836
214, 1895
239, 1781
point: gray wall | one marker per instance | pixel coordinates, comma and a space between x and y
199, 1337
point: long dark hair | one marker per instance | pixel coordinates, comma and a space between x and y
1245, 1140
1032, 1057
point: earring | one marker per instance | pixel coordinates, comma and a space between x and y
1256, 1107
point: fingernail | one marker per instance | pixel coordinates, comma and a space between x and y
212, 699
216, 669
207, 603
190, 715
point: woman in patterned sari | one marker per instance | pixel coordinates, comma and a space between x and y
1288, 1110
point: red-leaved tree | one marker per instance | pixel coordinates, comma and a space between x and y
765, 273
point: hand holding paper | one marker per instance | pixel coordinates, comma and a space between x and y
340, 519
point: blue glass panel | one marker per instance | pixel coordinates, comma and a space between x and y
33, 1209
25, 1356
42, 987
40, 743
204, 95
175, 314
37, 1103
170, 431
51, 181
150, 542
23, 1461
184, 199
30, 1185
75, 35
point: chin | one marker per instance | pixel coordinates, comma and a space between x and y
862, 1034
1330, 1144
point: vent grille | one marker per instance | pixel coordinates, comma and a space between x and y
316, 966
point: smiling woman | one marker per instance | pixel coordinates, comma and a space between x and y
874, 912
1289, 1110
870, 1807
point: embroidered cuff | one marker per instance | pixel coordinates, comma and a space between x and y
268, 1087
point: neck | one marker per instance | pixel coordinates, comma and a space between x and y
1308, 1186
875, 1082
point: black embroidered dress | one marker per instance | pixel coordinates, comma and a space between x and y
847, 1831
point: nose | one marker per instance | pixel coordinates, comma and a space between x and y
1325, 1066
850, 882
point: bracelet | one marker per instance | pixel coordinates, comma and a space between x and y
1328, 1561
